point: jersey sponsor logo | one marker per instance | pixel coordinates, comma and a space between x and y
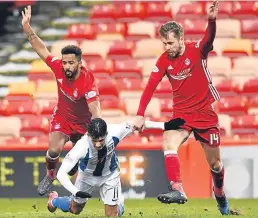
57, 126
170, 67
187, 61
182, 75
90, 94
60, 80
75, 93
155, 69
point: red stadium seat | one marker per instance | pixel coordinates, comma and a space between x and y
228, 87
190, 10
34, 126
245, 125
249, 28
127, 68
20, 108
164, 89
129, 84
194, 29
110, 31
129, 12
121, 50
107, 88
102, 13
245, 9
158, 11
101, 68
233, 106
250, 87
112, 107
253, 105
46, 107
166, 106
130, 87
81, 31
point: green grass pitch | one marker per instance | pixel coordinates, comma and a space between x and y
150, 207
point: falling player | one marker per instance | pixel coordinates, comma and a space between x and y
78, 99
185, 65
99, 167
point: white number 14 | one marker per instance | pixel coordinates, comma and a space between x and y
214, 137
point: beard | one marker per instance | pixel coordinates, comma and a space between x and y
70, 74
173, 55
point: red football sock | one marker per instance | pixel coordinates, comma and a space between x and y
218, 181
172, 165
51, 164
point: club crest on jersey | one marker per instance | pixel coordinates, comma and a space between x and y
155, 69
187, 62
57, 126
75, 93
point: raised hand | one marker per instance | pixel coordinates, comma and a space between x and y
26, 15
213, 10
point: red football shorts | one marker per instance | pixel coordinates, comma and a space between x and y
72, 130
204, 125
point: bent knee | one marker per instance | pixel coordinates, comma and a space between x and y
174, 138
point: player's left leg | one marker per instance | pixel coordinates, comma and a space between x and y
111, 195
210, 141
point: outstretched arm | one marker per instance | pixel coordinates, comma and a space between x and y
206, 44
36, 43
78, 151
170, 125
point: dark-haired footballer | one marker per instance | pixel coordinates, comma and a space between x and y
78, 99
98, 167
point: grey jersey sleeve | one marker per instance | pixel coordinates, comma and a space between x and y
120, 131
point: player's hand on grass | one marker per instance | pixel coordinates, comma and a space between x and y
81, 194
213, 10
174, 124
26, 16
138, 123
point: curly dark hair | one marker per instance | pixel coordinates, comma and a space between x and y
72, 49
97, 128
171, 26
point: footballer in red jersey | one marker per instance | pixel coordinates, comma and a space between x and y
78, 99
185, 66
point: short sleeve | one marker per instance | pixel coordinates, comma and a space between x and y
53, 63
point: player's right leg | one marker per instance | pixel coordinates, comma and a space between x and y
171, 141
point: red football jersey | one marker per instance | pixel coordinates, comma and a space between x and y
188, 74
74, 96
